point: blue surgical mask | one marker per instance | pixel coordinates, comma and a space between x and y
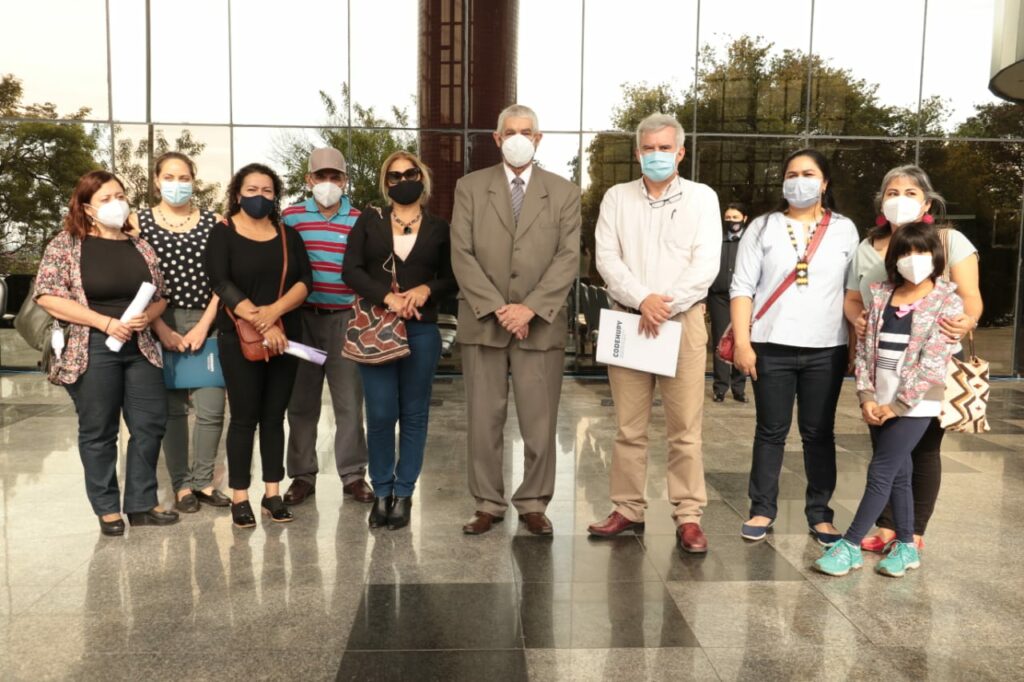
801, 192
658, 166
175, 193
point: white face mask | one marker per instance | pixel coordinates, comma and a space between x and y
801, 192
916, 268
518, 150
113, 214
326, 193
902, 210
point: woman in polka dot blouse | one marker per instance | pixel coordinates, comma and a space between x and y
178, 231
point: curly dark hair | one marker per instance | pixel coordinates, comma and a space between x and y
235, 189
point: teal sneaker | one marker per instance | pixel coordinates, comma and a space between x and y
840, 559
902, 556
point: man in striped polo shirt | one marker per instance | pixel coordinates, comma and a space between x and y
324, 222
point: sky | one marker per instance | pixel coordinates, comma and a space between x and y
283, 53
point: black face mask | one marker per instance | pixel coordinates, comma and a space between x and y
257, 207
406, 192
733, 225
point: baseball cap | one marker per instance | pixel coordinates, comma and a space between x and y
326, 158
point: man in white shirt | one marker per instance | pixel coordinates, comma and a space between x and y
658, 250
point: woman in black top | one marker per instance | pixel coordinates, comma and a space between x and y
244, 258
734, 224
178, 231
405, 239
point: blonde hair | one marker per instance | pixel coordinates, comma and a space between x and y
414, 160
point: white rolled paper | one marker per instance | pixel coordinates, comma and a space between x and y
307, 353
136, 307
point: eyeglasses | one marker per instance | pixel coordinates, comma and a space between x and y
658, 203
395, 177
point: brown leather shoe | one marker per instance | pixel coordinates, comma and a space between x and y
691, 538
613, 525
359, 490
537, 523
481, 523
298, 491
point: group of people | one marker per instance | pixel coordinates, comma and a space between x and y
808, 301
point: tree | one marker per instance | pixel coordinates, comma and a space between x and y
40, 162
134, 167
363, 139
750, 90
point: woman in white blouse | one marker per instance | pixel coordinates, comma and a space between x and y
798, 349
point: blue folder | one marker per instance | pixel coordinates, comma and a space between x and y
194, 370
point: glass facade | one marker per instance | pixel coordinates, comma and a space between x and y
233, 81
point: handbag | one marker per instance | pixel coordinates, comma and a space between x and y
37, 327
376, 335
966, 397
726, 347
252, 341
194, 370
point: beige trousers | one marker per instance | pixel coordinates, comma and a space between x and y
537, 385
683, 399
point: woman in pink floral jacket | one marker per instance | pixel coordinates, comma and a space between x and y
89, 274
901, 372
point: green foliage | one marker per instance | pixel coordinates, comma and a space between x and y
40, 162
363, 139
135, 168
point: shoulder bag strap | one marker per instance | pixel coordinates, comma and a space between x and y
284, 267
819, 234
944, 238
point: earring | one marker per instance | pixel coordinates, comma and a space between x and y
928, 219
880, 220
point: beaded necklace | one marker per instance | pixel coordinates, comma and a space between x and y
801, 259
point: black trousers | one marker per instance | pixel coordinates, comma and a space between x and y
258, 394
726, 375
117, 383
925, 481
814, 378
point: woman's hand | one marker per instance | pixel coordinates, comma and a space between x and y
196, 337
956, 327
264, 318
417, 296
745, 360
119, 330
138, 323
170, 339
275, 340
395, 302
868, 409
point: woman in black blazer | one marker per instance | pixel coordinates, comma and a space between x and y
405, 239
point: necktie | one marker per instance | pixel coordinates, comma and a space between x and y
517, 196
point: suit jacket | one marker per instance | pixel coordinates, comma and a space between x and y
497, 261
371, 243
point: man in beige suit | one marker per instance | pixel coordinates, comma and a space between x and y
515, 253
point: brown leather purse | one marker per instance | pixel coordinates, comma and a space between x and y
251, 340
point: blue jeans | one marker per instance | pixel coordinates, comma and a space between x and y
399, 392
889, 477
814, 378
115, 383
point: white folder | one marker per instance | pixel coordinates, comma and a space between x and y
619, 343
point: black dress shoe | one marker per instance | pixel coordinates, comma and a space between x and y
275, 508
188, 504
719, 397
401, 512
739, 397
153, 517
113, 528
214, 499
380, 510
241, 514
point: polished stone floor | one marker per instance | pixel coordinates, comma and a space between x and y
323, 598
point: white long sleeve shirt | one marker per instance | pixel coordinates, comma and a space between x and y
672, 248
806, 317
